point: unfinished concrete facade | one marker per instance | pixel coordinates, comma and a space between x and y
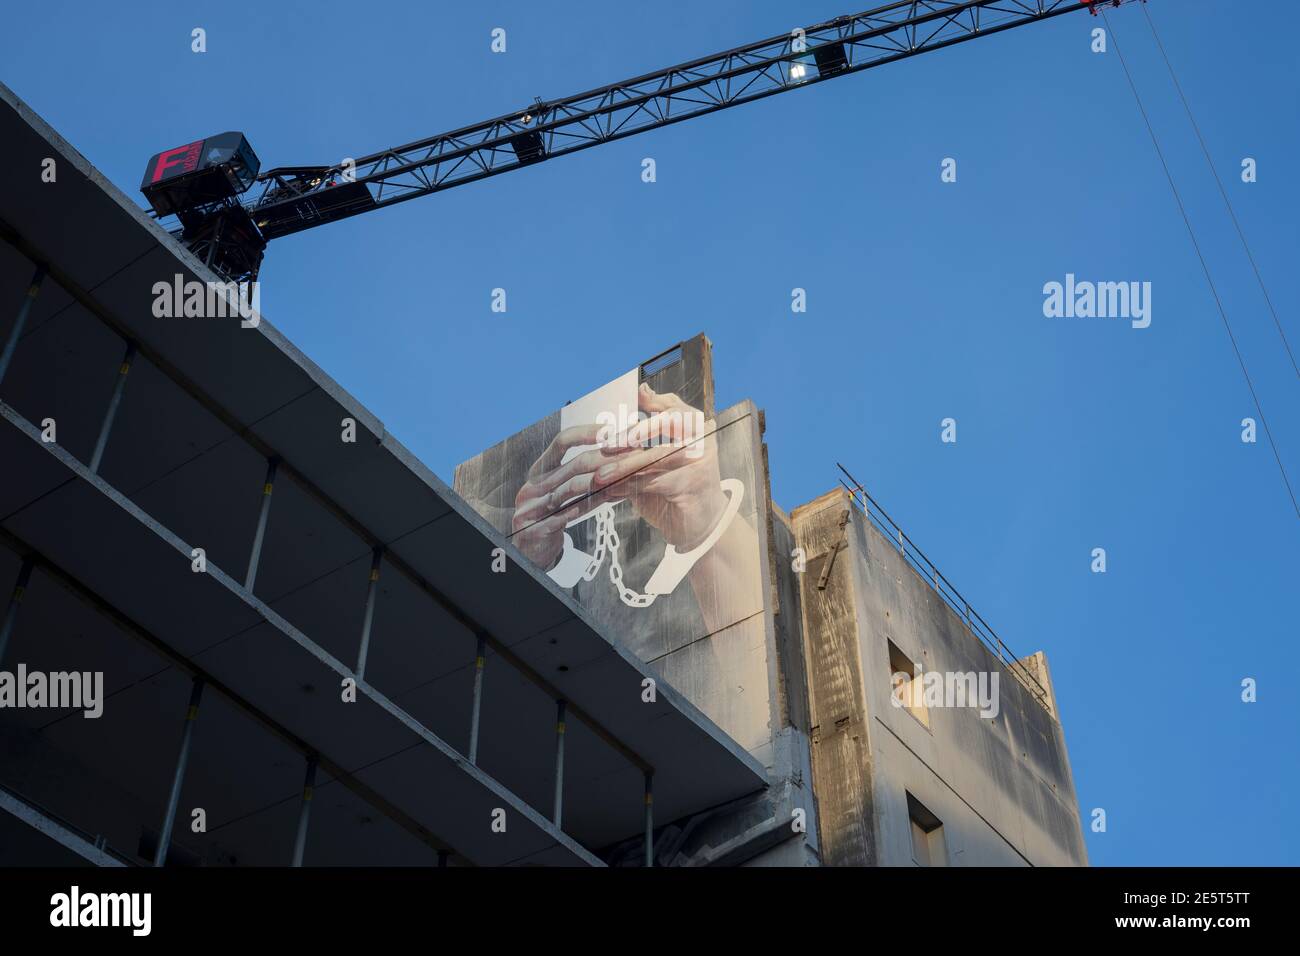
306, 653
937, 785
803, 678
875, 784
731, 646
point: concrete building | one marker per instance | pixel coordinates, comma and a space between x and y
916, 784
313, 651
802, 674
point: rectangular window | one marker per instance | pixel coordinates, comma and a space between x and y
927, 835
906, 685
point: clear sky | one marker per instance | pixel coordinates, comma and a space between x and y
925, 301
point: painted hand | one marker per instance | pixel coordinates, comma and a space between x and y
675, 484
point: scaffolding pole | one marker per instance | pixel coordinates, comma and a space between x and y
479, 661
15, 600
370, 611
304, 813
114, 401
649, 818
24, 310
178, 779
263, 516
559, 763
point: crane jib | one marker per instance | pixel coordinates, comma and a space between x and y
291, 199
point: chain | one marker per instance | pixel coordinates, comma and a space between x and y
607, 540
603, 515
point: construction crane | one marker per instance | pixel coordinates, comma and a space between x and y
228, 210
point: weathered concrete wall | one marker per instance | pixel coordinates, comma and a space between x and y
794, 738
1001, 787
749, 679
841, 753
729, 639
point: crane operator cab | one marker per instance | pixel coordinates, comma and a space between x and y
199, 183
199, 173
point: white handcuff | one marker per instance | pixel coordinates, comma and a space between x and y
577, 565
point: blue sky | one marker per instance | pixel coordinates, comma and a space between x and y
924, 302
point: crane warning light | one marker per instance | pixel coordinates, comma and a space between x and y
205, 171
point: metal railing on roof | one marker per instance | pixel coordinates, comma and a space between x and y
923, 566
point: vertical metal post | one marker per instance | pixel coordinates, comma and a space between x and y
215, 241
559, 763
23, 311
263, 515
178, 779
123, 370
479, 661
11, 612
649, 818
304, 813
370, 611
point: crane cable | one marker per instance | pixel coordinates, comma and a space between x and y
1223, 192
1204, 265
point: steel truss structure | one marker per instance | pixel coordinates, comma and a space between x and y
292, 199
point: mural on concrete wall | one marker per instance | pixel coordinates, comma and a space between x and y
639, 503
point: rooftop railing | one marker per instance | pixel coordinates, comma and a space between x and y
923, 566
